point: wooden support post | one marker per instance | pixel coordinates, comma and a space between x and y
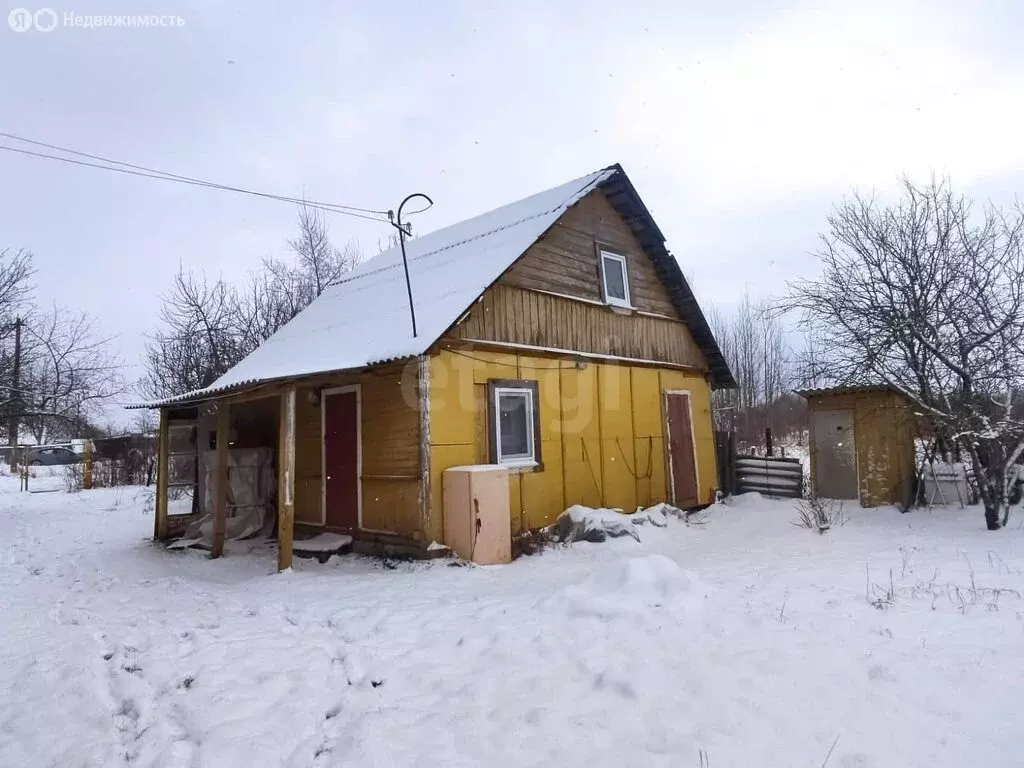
286, 481
220, 490
423, 380
160, 528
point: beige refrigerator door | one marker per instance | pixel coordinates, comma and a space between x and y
493, 543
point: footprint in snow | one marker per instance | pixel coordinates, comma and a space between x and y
880, 672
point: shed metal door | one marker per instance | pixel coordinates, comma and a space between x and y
835, 474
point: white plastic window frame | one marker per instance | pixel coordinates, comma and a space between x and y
615, 301
528, 459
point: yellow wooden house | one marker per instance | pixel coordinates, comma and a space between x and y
556, 336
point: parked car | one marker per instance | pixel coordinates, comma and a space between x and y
51, 455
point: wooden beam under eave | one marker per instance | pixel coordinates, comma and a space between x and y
160, 524
220, 489
286, 481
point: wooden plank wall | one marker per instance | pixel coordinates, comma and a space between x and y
390, 449
602, 432
539, 319
884, 431
565, 260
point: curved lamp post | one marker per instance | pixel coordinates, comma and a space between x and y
402, 232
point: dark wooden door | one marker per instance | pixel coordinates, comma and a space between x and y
341, 460
682, 462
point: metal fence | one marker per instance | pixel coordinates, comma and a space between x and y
770, 475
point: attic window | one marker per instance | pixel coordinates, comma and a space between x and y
615, 279
514, 423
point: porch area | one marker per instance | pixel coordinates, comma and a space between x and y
322, 465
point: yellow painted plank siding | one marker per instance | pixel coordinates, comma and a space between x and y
602, 432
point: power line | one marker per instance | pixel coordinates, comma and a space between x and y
180, 177
138, 170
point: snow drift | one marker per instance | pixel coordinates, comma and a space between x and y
636, 586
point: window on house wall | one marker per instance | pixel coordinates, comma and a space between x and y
615, 278
513, 423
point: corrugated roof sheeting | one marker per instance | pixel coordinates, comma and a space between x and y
851, 389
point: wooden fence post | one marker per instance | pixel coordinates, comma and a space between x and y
286, 481
220, 499
87, 466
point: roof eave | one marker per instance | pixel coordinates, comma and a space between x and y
624, 198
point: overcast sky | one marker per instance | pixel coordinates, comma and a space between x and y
739, 124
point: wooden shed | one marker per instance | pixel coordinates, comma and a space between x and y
862, 444
556, 336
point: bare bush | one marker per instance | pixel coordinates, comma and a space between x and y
818, 514
74, 478
531, 542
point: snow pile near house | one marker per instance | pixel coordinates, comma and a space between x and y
657, 515
634, 587
580, 523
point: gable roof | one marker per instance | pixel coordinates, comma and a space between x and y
363, 319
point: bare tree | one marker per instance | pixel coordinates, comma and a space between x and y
68, 373
206, 326
317, 262
723, 401
144, 422
197, 342
753, 341
16, 272
927, 296
747, 363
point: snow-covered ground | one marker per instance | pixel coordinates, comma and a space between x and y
745, 639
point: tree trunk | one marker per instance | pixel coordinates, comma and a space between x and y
992, 515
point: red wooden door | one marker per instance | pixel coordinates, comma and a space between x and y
682, 462
341, 460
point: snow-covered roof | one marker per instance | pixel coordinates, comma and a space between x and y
363, 319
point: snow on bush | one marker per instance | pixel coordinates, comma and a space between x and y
635, 586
